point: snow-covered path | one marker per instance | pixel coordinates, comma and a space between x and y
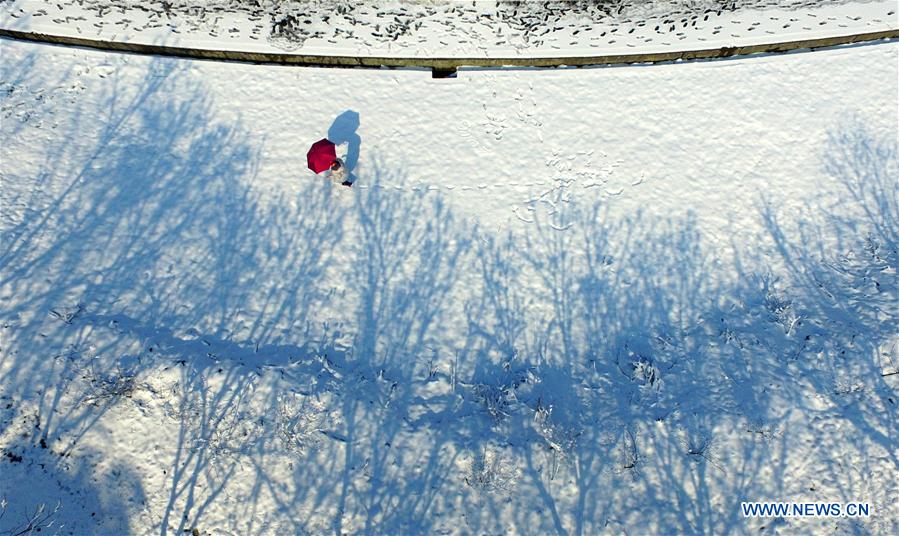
452, 28
553, 302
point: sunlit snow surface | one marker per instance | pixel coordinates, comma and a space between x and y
452, 28
571, 301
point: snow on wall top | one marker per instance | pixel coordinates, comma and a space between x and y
451, 29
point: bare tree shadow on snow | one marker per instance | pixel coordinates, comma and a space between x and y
837, 304
534, 382
593, 367
139, 262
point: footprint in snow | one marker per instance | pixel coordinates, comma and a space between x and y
519, 216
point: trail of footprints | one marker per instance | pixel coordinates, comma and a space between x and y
460, 29
570, 175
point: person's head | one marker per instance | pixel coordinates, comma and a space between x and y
335, 165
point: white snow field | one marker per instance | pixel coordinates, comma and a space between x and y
580, 301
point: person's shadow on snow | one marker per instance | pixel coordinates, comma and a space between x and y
343, 130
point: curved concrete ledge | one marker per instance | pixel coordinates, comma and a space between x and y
442, 66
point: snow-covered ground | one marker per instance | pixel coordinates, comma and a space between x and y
450, 28
613, 300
